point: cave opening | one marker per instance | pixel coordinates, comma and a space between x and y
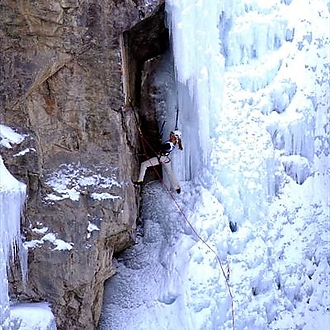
145, 51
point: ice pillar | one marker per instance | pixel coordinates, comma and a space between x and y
12, 196
199, 68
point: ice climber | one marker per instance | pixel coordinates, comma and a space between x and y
163, 159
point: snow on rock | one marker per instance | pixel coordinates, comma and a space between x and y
101, 196
8, 136
42, 230
71, 180
50, 237
25, 151
90, 228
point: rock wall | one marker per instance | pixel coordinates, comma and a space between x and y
61, 86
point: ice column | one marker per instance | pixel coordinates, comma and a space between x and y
199, 67
12, 196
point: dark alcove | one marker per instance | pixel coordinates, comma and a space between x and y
145, 47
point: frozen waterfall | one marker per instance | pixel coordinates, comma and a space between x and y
253, 94
253, 84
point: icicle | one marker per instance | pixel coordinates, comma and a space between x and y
12, 196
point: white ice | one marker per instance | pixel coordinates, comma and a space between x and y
12, 192
36, 316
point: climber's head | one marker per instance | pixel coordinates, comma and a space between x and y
175, 135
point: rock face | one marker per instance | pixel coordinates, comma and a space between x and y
61, 84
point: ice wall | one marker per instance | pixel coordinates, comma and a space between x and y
257, 95
253, 96
199, 67
202, 37
12, 196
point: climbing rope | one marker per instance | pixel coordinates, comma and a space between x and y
144, 142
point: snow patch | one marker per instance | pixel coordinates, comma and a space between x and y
50, 237
72, 180
90, 228
100, 196
25, 151
8, 137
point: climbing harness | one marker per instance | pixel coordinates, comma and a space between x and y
170, 147
168, 159
145, 142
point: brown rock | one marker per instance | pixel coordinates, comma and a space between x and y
61, 85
